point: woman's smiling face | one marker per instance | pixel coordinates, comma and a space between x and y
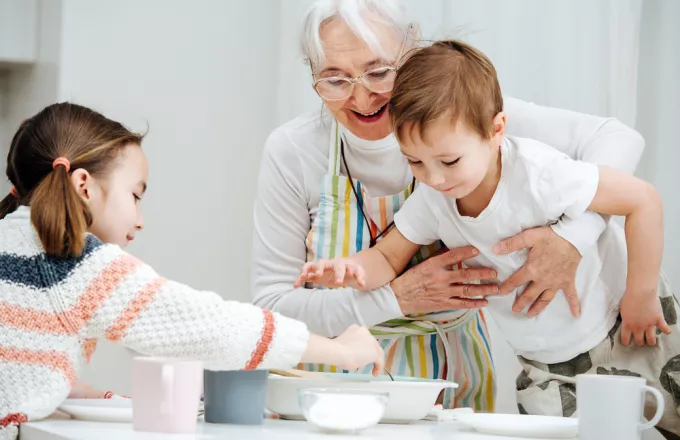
364, 112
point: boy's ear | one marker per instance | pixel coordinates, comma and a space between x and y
499, 122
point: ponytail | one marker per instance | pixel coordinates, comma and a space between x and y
8, 205
60, 215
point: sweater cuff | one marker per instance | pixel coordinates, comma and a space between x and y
288, 342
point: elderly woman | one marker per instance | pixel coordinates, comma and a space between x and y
331, 181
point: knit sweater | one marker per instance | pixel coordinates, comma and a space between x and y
53, 310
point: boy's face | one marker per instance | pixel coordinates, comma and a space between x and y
451, 158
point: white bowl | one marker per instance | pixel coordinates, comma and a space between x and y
409, 398
342, 410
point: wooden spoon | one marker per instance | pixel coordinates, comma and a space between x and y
297, 373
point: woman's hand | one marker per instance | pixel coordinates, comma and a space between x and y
551, 265
434, 285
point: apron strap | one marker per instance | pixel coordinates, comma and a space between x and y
439, 328
447, 351
334, 149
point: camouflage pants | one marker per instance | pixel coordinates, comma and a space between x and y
549, 389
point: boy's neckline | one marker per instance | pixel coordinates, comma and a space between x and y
489, 197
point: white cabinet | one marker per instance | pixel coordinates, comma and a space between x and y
18, 31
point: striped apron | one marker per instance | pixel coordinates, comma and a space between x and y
451, 345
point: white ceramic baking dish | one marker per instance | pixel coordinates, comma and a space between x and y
409, 398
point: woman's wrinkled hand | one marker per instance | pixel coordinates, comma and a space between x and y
434, 285
551, 266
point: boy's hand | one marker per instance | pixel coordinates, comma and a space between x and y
641, 316
338, 272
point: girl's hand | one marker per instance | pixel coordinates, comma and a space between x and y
82, 390
353, 349
359, 348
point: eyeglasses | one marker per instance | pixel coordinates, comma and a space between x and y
379, 80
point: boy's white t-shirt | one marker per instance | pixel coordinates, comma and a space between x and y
538, 185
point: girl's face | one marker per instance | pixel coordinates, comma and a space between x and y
115, 198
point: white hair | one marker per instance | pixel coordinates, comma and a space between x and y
354, 13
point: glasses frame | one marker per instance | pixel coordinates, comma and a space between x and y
361, 78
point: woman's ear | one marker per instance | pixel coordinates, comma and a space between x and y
83, 182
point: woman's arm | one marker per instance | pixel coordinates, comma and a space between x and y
281, 225
555, 251
594, 139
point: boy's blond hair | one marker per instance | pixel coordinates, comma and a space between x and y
448, 78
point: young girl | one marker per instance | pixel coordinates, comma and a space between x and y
482, 187
78, 180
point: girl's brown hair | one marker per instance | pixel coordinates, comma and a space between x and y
89, 141
448, 78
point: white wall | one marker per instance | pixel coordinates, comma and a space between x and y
659, 111
25, 89
202, 76
18, 33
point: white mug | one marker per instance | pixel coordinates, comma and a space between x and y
165, 394
612, 407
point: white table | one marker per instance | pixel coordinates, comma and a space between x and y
65, 429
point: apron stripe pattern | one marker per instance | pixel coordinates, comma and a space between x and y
360, 220
451, 345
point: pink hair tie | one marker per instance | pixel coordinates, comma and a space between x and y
14, 192
61, 161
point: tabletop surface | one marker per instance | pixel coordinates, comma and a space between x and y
62, 428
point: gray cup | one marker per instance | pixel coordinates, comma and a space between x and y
236, 397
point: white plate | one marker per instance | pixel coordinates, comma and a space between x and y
98, 410
409, 399
517, 425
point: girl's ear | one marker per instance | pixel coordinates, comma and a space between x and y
84, 183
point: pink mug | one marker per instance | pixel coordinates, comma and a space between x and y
165, 394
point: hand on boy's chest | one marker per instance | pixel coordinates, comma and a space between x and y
484, 236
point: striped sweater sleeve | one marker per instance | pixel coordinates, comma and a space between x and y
131, 304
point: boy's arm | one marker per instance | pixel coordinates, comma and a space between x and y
383, 262
619, 193
377, 266
570, 187
415, 220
